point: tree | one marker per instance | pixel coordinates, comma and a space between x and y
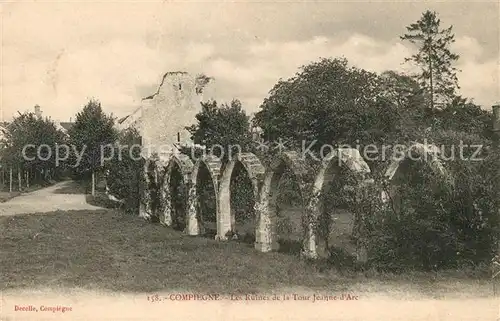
225, 125
403, 90
434, 57
461, 115
125, 168
93, 129
328, 102
24, 137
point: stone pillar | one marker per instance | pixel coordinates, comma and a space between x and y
167, 212
145, 207
193, 227
144, 202
318, 228
223, 222
264, 241
166, 216
223, 225
201, 222
310, 216
309, 243
142, 208
147, 204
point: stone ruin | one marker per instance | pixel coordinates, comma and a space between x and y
310, 179
174, 106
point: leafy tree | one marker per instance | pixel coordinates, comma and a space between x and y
330, 102
434, 57
22, 151
464, 116
125, 168
225, 125
93, 129
404, 91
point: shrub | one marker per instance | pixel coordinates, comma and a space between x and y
242, 198
124, 171
178, 194
435, 225
206, 192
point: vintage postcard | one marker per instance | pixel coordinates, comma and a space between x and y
249, 160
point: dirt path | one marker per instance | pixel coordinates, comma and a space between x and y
61, 196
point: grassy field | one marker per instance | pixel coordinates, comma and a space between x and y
107, 250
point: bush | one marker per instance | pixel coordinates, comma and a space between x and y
433, 225
124, 172
242, 198
289, 194
206, 192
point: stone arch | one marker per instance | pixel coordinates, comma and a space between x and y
213, 165
326, 173
255, 171
266, 238
428, 153
431, 157
145, 204
185, 166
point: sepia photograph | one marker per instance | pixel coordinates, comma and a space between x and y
250, 160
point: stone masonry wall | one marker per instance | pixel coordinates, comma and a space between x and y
171, 108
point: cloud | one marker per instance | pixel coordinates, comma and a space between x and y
266, 62
64, 53
253, 75
469, 48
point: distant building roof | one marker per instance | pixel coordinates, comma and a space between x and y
121, 120
129, 120
66, 125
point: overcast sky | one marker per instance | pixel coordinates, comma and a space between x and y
58, 55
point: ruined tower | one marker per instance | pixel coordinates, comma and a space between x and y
174, 105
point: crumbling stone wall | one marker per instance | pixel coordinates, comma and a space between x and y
165, 113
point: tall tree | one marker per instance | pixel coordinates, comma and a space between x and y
124, 169
30, 144
403, 90
434, 57
329, 102
93, 129
225, 125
